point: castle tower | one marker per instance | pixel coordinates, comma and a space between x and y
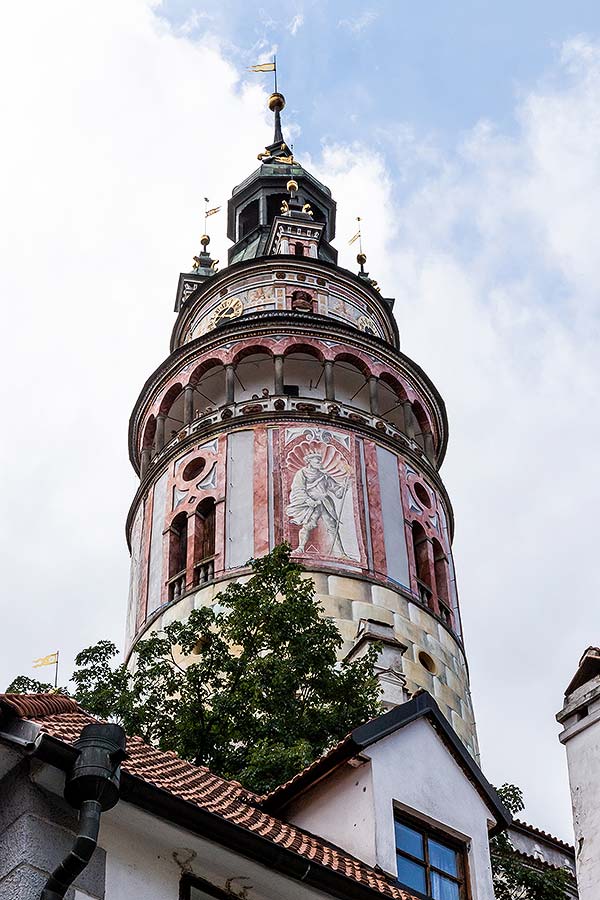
287, 412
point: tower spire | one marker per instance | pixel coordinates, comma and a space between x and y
276, 103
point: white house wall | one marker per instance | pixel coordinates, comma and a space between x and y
354, 808
147, 858
414, 768
341, 810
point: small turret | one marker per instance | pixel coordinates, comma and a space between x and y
279, 186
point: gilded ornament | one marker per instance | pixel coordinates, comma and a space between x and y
366, 324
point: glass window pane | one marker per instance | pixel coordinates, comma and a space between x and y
411, 873
197, 893
442, 857
409, 840
443, 889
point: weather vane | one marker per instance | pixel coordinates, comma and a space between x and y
203, 260
267, 67
358, 237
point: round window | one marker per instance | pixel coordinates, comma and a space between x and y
193, 469
422, 494
427, 662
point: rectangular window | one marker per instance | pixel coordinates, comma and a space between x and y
429, 861
192, 888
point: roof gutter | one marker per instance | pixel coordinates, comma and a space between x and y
92, 787
198, 821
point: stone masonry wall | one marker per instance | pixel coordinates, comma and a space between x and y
347, 600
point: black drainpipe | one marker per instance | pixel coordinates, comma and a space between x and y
92, 787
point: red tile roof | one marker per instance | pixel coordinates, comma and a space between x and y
545, 835
61, 718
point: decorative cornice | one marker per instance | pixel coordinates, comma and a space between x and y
302, 265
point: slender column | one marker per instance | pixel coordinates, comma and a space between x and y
144, 461
429, 448
160, 432
230, 383
188, 404
329, 380
278, 375
408, 419
373, 398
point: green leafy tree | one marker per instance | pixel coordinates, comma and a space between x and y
514, 878
264, 694
24, 685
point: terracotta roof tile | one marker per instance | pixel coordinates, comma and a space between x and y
62, 718
519, 823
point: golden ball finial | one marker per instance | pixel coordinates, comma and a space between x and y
361, 259
292, 185
205, 240
276, 102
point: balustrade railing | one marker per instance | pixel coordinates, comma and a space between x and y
333, 409
204, 571
176, 585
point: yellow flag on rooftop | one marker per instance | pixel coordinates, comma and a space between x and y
49, 660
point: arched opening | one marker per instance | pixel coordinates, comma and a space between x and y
304, 374
209, 389
254, 376
391, 396
298, 249
421, 424
351, 383
177, 555
248, 219
422, 567
440, 564
318, 214
172, 407
274, 202
204, 541
149, 438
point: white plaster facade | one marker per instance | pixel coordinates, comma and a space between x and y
580, 718
410, 770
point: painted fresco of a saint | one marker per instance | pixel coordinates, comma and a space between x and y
312, 500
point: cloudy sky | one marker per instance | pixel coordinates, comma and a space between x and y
467, 136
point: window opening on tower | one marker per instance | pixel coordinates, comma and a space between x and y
248, 219
204, 541
274, 202
177, 555
422, 567
440, 564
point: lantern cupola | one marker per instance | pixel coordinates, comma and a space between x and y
265, 196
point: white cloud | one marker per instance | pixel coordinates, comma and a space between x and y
493, 259
118, 128
115, 128
296, 23
359, 22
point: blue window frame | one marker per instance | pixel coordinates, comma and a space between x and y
429, 861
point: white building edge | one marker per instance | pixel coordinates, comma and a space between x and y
580, 718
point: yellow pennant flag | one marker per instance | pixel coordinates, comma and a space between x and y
211, 212
262, 67
49, 660
355, 238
